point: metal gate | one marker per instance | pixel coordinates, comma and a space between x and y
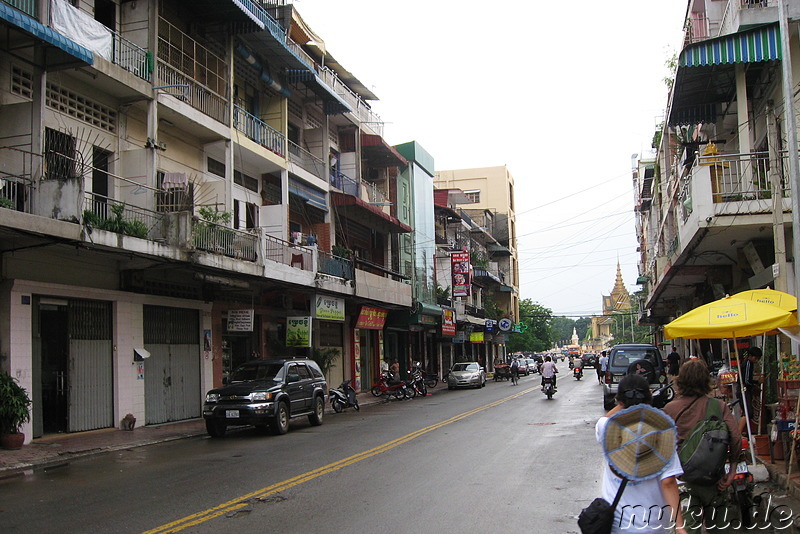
91, 378
172, 372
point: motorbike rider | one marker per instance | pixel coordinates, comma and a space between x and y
577, 363
549, 370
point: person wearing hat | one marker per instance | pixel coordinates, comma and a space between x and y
639, 444
706, 504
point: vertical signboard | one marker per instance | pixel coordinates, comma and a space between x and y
298, 331
448, 321
459, 267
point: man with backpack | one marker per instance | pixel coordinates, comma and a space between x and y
708, 438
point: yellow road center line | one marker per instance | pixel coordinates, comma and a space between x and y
244, 500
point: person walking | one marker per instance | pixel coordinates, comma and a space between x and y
653, 504
706, 505
601, 366
673, 362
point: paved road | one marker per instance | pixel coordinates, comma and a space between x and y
500, 458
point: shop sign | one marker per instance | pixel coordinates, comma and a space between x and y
459, 266
371, 318
460, 337
329, 308
298, 331
476, 337
240, 320
489, 325
427, 319
448, 322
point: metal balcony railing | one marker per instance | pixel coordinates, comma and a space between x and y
335, 266
18, 172
26, 6
132, 57
736, 177
306, 160
115, 216
218, 239
284, 252
344, 183
259, 131
361, 110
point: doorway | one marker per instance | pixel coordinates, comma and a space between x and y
54, 336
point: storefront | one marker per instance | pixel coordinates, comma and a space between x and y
368, 346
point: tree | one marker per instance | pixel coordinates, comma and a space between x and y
539, 334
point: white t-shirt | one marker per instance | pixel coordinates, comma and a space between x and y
603, 362
641, 502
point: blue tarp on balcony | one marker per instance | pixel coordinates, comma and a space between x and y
38, 30
313, 196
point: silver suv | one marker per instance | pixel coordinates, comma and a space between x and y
630, 358
267, 393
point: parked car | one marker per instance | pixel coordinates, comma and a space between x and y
628, 358
533, 367
267, 393
522, 368
589, 359
466, 374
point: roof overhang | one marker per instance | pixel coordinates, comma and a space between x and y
20, 31
706, 73
379, 153
373, 216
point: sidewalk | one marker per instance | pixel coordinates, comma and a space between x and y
55, 450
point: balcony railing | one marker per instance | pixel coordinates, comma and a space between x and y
26, 6
230, 242
18, 171
284, 252
335, 266
191, 72
736, 177
115, 216
360, 108
259, 131
132, 57
306, 160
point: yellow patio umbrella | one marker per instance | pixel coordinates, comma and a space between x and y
785, 301
727, 318
730, 318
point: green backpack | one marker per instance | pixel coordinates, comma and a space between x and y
705, 450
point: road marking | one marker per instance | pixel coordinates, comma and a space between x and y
244, 500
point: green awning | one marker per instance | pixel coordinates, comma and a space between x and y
749, 46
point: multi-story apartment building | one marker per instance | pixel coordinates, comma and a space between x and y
184, 182
475, 215
713, 204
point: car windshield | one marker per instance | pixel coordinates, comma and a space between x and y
263, 371
625, 357
465, 367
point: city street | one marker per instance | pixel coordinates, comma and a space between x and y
469, 461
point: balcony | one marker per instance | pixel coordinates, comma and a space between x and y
336, 266
258, 131
114, 216
218, 239
306, 160
26, 6
191, 72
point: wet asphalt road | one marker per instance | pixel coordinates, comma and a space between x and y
500, 458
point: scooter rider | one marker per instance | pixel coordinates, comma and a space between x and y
577, 363
549, 370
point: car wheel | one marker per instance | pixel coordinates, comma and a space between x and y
483, 384
280, 425
451, 388
315, 417
215, 429
338, 406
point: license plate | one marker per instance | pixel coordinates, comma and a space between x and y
741, 468
231, 414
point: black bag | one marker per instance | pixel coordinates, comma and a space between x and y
598, 517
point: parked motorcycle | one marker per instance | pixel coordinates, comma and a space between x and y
416, 384
387, 386
343, 397
548, 388
744, 484
577, 372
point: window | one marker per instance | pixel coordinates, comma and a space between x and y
251, 215
59, 156
248, 182
474, 196
216, 167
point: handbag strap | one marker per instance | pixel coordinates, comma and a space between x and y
618, 496
687, 407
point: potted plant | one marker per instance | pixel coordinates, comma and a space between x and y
14, 404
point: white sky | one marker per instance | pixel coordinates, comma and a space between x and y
561, 92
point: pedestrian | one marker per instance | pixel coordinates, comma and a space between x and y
601, 366
705, 505
673, 362
652, 504
752, 386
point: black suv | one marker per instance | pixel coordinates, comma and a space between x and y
632, 358
267, 393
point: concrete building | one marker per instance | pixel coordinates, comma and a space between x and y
713, 200
185, 181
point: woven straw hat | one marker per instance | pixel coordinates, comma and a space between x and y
639, 441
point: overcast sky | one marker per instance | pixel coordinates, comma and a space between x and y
563, 93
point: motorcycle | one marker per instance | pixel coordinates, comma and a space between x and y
343, 397
548, 388
387, 386
743, 485
416, 384
577, 372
